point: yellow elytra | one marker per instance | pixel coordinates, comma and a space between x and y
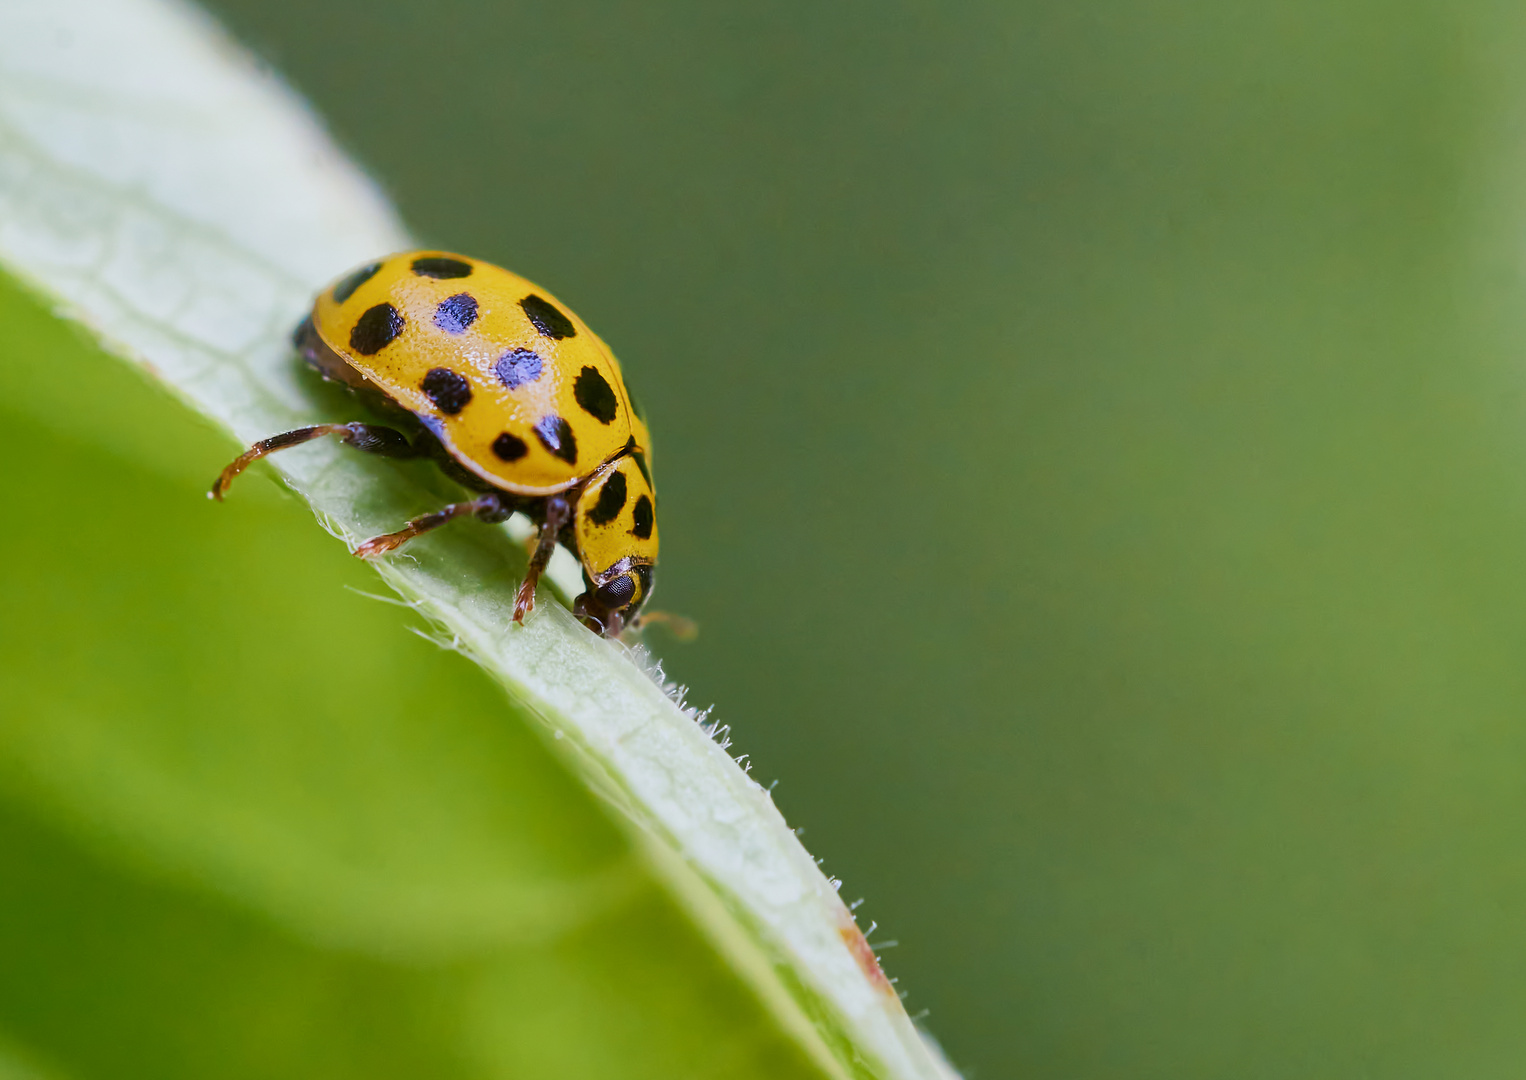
513, 394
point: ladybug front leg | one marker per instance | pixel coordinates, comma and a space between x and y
558, 513
680, 626
371, 438
491, 508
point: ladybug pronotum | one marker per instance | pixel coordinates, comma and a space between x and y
515, 398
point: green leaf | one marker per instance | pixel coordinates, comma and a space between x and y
250, 827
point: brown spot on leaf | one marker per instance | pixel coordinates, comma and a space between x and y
868, 963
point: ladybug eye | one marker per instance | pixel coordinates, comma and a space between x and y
617, 593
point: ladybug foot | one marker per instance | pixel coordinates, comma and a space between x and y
524, 600
380, 545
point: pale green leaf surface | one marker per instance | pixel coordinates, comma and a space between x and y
182, 204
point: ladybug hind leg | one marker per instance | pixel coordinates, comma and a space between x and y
370, 438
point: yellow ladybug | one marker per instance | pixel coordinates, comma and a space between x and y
512, 394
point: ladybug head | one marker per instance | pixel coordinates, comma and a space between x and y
609, 605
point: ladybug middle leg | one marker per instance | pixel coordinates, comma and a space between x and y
558, 513
371, 438
491, 508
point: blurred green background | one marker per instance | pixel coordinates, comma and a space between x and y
1093, 440
1092, 437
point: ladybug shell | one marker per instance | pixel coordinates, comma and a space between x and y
514, 385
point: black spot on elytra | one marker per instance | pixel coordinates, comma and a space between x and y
556, 436
456, 313
547, 319
517, 367
640, 459
510, 447
641, 523
346, 288
441, 268
611, 500
449, 391
377, 328
596, 397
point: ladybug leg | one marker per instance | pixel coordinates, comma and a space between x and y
371, 438
680, 626
558, 513
490, 508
